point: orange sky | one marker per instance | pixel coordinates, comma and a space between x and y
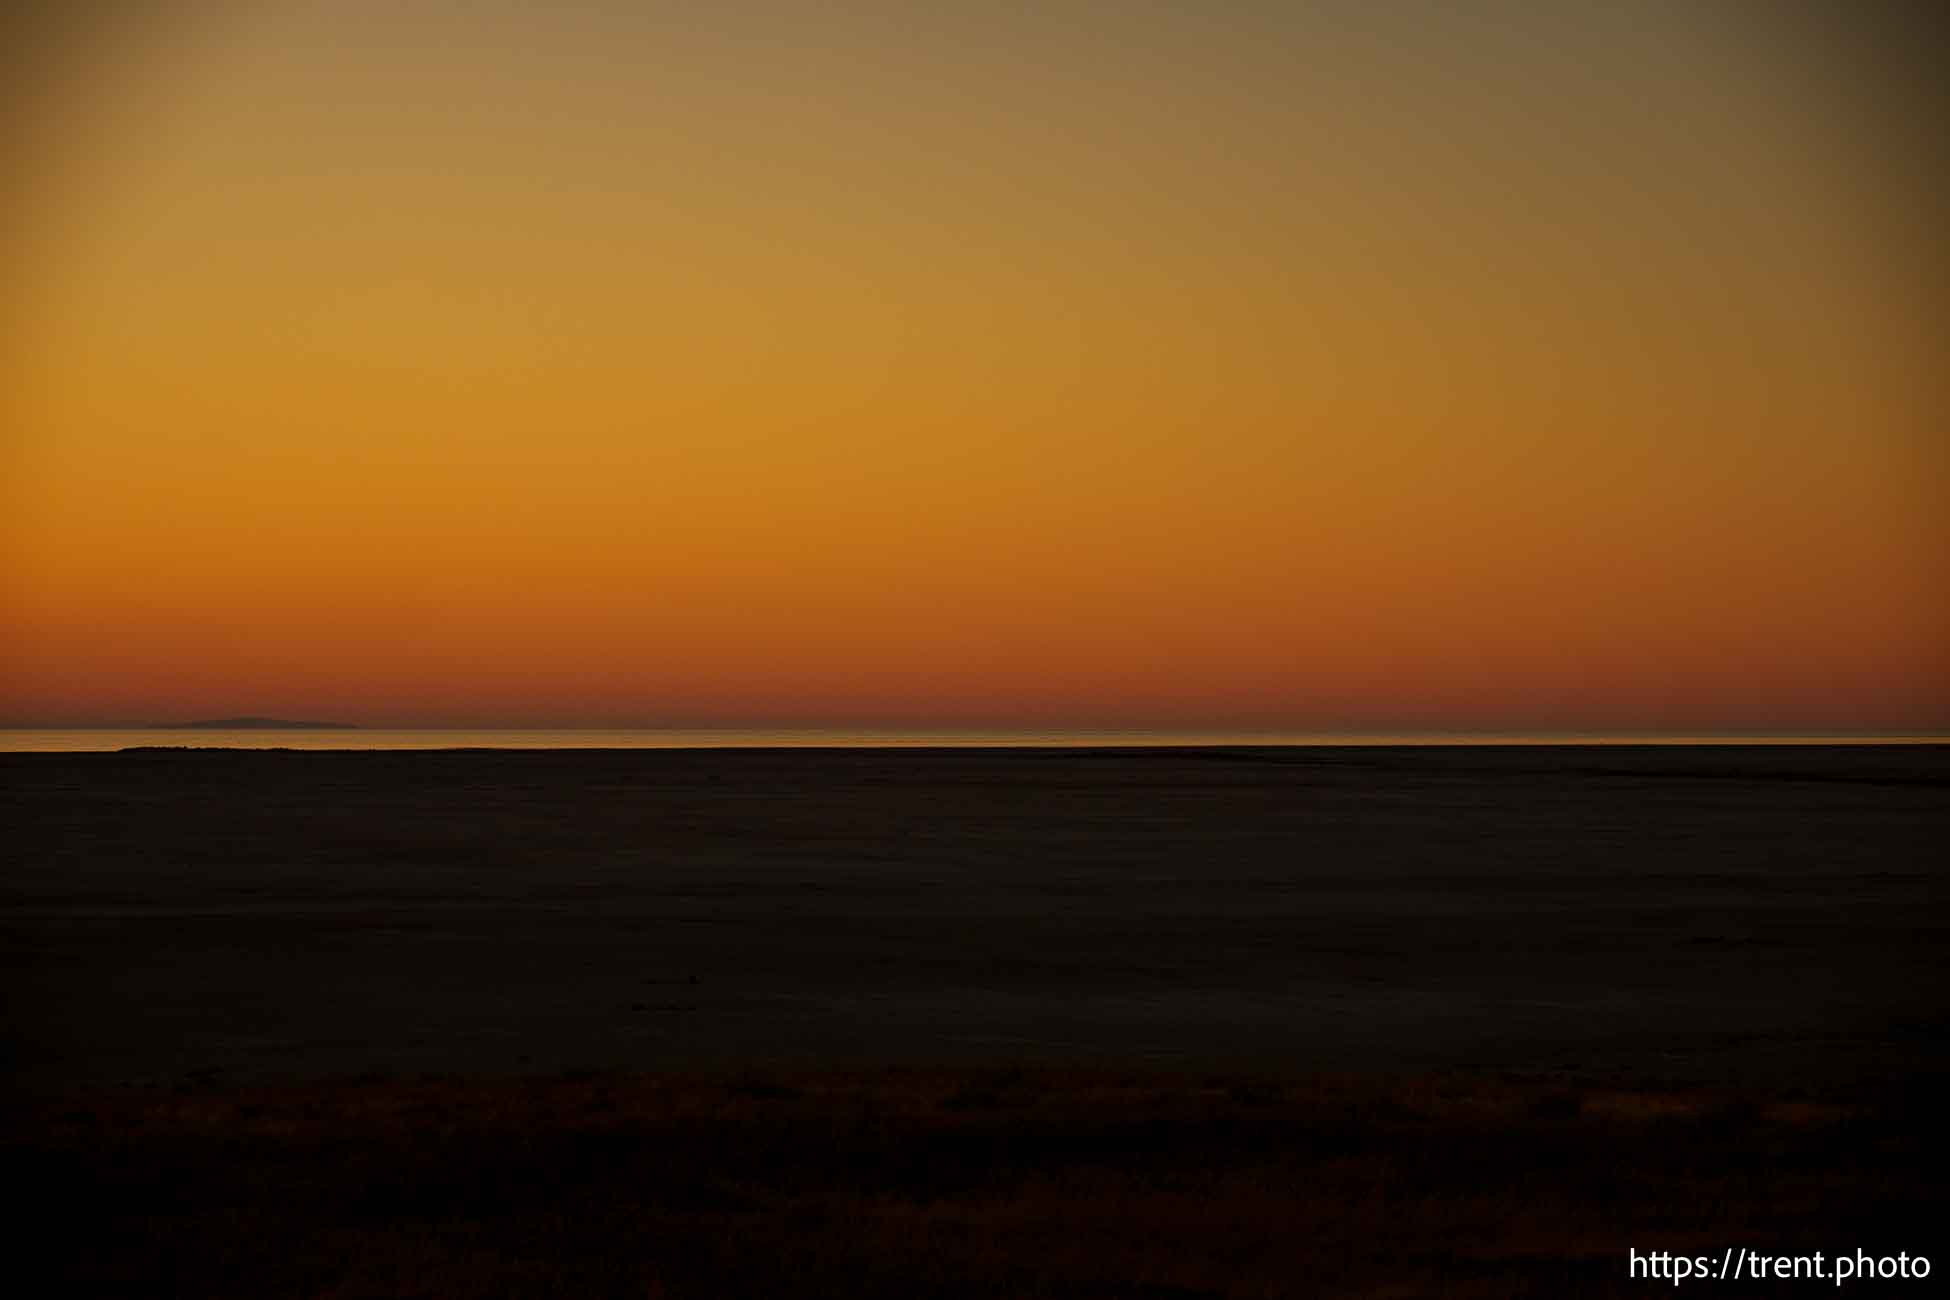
1272, 365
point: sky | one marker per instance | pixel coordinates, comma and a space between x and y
1243, 364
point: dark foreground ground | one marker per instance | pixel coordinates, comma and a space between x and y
979, 1022
906, 1185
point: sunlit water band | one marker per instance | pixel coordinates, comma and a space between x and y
108, 739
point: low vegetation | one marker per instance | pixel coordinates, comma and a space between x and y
917, 1183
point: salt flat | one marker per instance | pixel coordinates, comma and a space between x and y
1711, 913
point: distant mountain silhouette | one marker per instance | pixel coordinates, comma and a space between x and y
252, 724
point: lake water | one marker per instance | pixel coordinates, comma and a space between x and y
92, 739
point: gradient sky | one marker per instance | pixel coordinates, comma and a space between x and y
1330, 365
